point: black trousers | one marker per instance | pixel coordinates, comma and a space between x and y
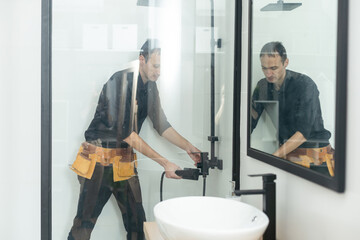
95, 192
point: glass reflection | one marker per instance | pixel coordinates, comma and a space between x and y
291, 102
92, 40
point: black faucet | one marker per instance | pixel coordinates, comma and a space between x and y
269, 201
205, 163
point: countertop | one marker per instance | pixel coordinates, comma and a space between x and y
151, 231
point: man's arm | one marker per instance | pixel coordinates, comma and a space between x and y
254, 114
135, 141
175, 138
163, 127
256, 109
294, 142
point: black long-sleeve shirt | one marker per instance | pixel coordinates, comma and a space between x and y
299, 108
111, 122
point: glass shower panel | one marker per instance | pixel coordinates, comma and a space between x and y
97, 53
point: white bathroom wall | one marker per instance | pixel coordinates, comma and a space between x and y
306, 210
20, 29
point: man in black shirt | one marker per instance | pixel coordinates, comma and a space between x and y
301, 127
106, 163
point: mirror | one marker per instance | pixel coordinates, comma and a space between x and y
297, 87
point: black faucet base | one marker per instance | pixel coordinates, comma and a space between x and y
269, 201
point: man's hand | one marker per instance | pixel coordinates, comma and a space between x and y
194, 153
175, 138
293, 143
170, 169
135, 141
254, 114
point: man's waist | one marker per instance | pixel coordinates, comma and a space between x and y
313, 152
114, 144
106, 142
122, 160
310, 143
108, 153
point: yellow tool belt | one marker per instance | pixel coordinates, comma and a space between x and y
317, 156
123, 161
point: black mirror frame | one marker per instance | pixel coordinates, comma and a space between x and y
336, 183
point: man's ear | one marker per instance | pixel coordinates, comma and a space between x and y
141, 59
286, 62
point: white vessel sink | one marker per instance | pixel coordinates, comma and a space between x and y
209, 218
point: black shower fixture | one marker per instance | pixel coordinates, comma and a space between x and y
280, 6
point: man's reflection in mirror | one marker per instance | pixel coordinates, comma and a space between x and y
106, 163
302, 136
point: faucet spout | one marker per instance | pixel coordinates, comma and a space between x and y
269, 201
249, 192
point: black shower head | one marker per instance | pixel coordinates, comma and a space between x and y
149, 3
280, 6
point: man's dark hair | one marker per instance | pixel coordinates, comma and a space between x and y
149, 47
273, 48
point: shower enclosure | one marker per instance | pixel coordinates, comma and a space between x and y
93, 39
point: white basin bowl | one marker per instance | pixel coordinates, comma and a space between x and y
209, 218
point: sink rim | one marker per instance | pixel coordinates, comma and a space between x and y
262, 221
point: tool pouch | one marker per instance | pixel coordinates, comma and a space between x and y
84, 165
123, 170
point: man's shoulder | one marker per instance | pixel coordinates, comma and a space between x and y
299, 78
262, 83
118, 77
152, 87
297, 75
115, 83
117, 74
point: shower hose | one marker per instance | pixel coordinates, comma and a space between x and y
162, 180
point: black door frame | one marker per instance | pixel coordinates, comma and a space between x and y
46, 116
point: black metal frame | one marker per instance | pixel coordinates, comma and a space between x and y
337, 182
237, 96
46, 120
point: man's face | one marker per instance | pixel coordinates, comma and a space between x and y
150, 70
274, 70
